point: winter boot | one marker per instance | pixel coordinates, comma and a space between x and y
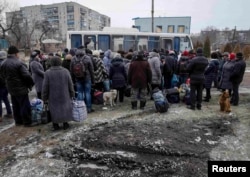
134, 105
142, 104
56, 126
65, 125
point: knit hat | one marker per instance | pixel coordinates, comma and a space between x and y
12, 50
34, 54
199, 50
239, 55
185, 53
232, 56
3, 55
225, 54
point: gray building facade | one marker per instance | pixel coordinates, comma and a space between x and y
164, 24
61, 17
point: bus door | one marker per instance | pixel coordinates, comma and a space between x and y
142, 43
90, 42
75, 40
177, 41
129, 42
167, 43
153, 42
103, 42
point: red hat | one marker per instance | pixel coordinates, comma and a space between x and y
232, 56
185, 53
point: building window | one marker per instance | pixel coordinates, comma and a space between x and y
170, 28
70, 9
70, 17
159, 29
181, 29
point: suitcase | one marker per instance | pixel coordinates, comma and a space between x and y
173, 95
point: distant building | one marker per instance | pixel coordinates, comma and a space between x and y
60, 17
218, 38
164, 24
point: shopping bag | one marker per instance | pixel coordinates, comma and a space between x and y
46, 117
79, 110
36, 110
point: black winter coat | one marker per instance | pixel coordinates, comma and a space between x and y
211, 73
238, 71
18, 78
196, 68
117, 73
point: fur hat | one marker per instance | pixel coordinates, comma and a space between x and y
3, 55
199, 50
13, 50
68, 57
56, 61
239, 55
96, 53
232, 56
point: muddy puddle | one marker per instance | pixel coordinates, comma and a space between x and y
139, 144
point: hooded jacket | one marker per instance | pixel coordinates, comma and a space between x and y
117, 73
196, 68
155, 65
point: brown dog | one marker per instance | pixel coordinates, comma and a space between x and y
225, 102
109, 96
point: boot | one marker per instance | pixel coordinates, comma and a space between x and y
56, 126
134, 105
1, 119
65, 125
142, 104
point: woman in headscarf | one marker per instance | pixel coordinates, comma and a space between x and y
58, 92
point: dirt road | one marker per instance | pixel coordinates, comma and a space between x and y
122, 142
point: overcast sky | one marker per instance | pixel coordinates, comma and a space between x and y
217, 13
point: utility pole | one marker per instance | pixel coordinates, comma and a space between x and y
152, 16
233, 40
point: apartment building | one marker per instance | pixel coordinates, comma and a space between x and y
60, 17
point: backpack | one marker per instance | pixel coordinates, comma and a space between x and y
183, 66
78, 69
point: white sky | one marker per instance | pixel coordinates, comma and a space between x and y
204, 13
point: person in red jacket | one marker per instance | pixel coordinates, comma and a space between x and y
139, 76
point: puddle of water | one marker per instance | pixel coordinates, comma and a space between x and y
93, 166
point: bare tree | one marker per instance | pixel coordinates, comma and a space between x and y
6, 6
45, 27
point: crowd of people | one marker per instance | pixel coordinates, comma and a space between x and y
78, 73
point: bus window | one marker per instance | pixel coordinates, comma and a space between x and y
177, 44
103, 42
76, 40
142, 43
90, 42
153, 43
167, 44
129, 43
117, 43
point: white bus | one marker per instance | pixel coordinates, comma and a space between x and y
125, 39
